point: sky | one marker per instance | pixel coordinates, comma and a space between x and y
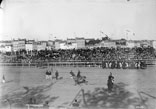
61, 19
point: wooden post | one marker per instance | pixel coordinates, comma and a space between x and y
75, 97
83, 95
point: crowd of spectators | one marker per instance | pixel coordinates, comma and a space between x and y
95, 54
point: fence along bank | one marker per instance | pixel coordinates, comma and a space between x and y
128, 64
111, 64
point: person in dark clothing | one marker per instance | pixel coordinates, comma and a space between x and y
32, 101
71, 73
110, 82
110, 77
73, 76
56, 75
79, 74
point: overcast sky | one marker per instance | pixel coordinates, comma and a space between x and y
46, 19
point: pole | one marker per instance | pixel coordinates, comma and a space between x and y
75, 97
83, 95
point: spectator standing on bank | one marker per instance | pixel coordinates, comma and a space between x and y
56, 75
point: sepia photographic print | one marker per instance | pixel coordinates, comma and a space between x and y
78, 54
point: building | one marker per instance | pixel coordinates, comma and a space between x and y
146, 43
130, 44
50, 45
21, 44
57, 44
80, 43
89, 39
4, 49
108, 43
31, 46
8, 48
30, 41
15, 45
72, 46
137, 43
71, 40
41, 45
18, 44
76, 43
2, 43
5, 43
5, 46
63, 45
121, 43
92, 46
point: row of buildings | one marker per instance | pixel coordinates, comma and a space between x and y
77, 43
30, 45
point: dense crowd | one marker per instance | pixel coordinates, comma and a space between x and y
95, 54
